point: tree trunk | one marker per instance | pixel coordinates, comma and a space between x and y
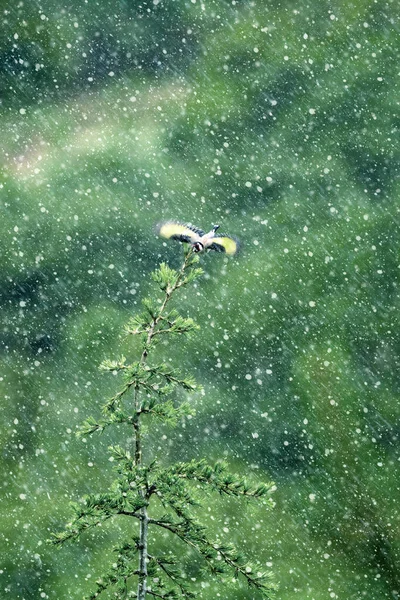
144, 523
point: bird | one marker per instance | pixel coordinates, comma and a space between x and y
200, 241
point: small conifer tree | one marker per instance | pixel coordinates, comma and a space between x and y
141, 486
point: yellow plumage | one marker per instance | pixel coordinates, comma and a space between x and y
229, 245
177, 231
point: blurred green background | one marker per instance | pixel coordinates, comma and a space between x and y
280, 121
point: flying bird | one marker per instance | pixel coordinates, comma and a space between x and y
200, 241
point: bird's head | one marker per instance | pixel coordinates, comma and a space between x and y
198, 247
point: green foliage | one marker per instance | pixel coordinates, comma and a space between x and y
172, 322
279, 121
218, 477
120, 571
139, 484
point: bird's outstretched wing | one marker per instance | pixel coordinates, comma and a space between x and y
225, 243
179, 231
